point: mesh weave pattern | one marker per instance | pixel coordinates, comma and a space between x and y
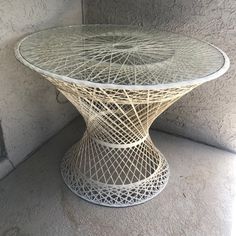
116, 164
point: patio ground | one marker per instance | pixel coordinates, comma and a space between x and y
200, 198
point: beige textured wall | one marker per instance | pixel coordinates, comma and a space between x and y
207, 114
29, 112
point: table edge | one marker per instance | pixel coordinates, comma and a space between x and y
84, 83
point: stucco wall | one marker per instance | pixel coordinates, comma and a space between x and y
29, 112
207, 114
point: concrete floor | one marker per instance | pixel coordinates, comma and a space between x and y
200, 198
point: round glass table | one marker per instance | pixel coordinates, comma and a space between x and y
120, 78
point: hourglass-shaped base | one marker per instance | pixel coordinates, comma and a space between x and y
115, 176
115, 163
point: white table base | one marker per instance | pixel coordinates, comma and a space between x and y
125, 169
115, 163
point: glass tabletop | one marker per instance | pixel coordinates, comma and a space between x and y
121, 57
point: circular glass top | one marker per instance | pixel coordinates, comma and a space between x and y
121, 57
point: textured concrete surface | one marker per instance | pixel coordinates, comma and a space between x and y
29, 112
207, 114
5, 164
5, 167
199, 199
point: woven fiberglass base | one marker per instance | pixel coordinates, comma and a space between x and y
115, 165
